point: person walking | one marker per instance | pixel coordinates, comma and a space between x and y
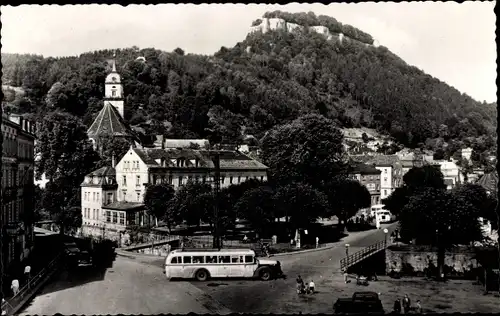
345, 276
317, 242
406, 304
397, 306
27, 273
300, 284
312, 286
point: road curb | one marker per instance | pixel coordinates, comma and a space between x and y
303, 251
133, 255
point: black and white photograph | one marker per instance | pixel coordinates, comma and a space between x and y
293, 158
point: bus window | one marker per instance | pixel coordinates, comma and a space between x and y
187, 259
198, 259
224, 259
211, 259
235, 259
249, 259
176, 260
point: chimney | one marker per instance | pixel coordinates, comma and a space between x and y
159, 142
113, 164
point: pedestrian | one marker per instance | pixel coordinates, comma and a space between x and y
419, 307
300, 284
377, 222
311, 287
15, 286
397, 306
406, 304
345, 276
317, 242
27, 273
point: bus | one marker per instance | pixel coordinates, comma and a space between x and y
202, 264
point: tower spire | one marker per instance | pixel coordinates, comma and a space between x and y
114, 61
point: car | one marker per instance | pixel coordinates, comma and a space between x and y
359, 303
84, 259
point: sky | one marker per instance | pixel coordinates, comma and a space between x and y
453, 42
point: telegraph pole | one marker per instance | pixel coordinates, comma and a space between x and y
216, 160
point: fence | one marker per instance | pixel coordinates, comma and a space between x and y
362, 254
12, 304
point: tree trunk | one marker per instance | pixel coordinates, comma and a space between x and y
498, 247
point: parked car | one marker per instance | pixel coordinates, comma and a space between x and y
85, 259
359, 303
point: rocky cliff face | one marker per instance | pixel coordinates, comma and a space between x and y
273, 24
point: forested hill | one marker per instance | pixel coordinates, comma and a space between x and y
267, 79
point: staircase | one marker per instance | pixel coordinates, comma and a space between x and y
358, 256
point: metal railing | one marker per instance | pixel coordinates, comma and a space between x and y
12, 304
362, 254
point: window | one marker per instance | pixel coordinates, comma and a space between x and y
108, 216
113, 92
137, 181
124, 194
122, 218
97, 214
224, 259
385, 170
187, 259
109, 198
198, 259
211, 259
385, 179
98, 197
124, 180
176, 260
115, 217
385, 192
235, 259
180, 180
230, 180
138, 197
239, 179
204, 179
262, 178
222, 180
249, 259
170, 179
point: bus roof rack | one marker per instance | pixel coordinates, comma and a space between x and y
213, 249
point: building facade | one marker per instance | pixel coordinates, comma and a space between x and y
17, 189
369, 176
391, 173
121, 205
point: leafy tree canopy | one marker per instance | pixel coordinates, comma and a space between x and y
158, 203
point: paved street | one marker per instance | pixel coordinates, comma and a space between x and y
132, 286
128, 287
279, 296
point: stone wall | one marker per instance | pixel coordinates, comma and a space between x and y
411, 261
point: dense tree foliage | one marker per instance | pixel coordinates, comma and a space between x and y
158, 203
308, 149
265, 80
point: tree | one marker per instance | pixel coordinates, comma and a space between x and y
66, 156
346, 197
309, 149
190, 206
442, 218
64, 149
427, 176
395, 202
62, 201
158, 202
258, 207
112, 146
300, 204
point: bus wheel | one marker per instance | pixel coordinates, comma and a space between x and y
201, 275
265, 274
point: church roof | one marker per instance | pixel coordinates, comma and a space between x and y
109, 123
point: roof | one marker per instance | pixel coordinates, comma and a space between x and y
109, 123
229, 160
489, 182
123, 206
104, 171
378, 160
363, 168
104, 176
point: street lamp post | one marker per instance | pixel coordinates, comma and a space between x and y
216, 161
385, 233
347, 250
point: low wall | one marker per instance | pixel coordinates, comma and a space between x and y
419, 261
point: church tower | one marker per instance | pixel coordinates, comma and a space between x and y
113, 90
